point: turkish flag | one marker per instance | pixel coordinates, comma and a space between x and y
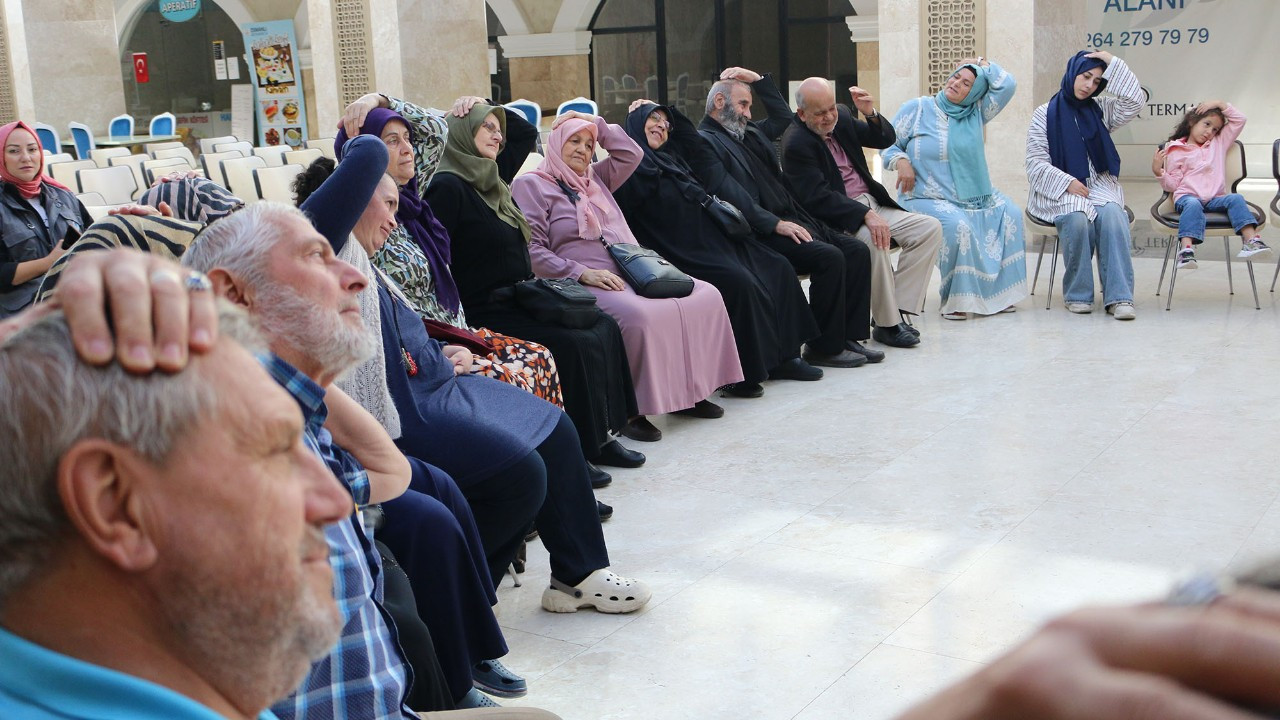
141, 72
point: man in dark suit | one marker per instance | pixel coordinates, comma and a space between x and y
838, 265
822, 157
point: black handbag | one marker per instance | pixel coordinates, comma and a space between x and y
647, 272
728, 217
561, 301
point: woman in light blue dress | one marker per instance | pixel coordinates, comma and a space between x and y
942, 172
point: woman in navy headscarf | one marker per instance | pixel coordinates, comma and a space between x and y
1074, 169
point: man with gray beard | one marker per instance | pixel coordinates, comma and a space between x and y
839, 266
163, 550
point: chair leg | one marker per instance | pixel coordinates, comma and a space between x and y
1275, 276
1173, 278
1231, 283
1168, 250
1039, 259
1256, 305
1053, 270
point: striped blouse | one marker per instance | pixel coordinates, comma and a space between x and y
1049, 197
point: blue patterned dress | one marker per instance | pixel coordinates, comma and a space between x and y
983, 258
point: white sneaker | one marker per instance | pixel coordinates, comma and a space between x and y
1253, 249
1080, 308
955, 315
1122, 311
602, 590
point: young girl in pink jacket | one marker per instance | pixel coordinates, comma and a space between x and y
1192, 167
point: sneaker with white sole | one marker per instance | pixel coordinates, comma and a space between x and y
1254, 249
603, 590
1122, 311
1080, 308
1187, 259
955, 315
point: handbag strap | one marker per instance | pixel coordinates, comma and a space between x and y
574, 197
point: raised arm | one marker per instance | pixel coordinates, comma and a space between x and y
624, 155
530, 192
1125, 101
522, 138
1235, 123
339, 202
1000, 89
777, 111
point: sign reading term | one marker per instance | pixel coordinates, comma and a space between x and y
179, 10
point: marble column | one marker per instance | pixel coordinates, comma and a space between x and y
444, 47
82, 83
549, 68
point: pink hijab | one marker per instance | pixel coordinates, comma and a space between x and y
591, 205
28, 188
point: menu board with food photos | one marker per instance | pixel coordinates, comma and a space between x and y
271, 53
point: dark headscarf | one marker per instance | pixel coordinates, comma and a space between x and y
661, 163
415, 214
1076, 130
462, 158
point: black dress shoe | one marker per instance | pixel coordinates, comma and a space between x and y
842, 359
872, 355
641, 430
906, 323
703, 409
795, 369
599, 478
606, 511
614, 454
897, 336
744, 390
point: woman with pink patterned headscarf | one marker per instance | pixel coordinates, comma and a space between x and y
680, 349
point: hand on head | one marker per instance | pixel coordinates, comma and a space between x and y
564, 117
353, 117
1102, 55
636, 104
739, 73
462, 106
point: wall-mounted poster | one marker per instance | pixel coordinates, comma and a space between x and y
277, 84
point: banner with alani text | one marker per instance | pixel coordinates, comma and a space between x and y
1188, 51
271, 51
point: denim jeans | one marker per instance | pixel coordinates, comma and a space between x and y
1108, 236
1191, 214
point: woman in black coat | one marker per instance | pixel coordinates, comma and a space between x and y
662, 201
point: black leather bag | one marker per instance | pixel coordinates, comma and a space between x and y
558, 300
728, 217
648, 273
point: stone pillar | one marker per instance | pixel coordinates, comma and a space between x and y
81, 83
444, 50
549, 68
17, 98
901, 58
1012, 42
324, 110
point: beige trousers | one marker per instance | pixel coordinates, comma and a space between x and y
499, 713
920, 237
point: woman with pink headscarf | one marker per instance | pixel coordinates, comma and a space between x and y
36, 213
680, 349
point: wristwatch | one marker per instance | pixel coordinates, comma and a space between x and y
873, 114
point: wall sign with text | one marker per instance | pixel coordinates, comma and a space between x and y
179, 10
271, 49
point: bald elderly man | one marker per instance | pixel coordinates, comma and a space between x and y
822, 157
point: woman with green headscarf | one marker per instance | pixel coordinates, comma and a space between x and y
942, 172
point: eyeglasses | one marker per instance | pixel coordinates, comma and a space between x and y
661, 121
492, 128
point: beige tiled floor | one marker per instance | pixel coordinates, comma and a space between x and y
839, 549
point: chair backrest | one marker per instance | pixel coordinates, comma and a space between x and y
1275, 172
245, 148
629, 82
57, 158
303, 157
276, 183
581, 104
103, 156
1234, 168
179, 152
153, 148
163, 124
208, 145
237, 176
49, 139
116, 184
120, 126
134, 163
152, 169
273, 154
65, 172
82, 136
212, 163
531, 110
91, 198
324, 145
